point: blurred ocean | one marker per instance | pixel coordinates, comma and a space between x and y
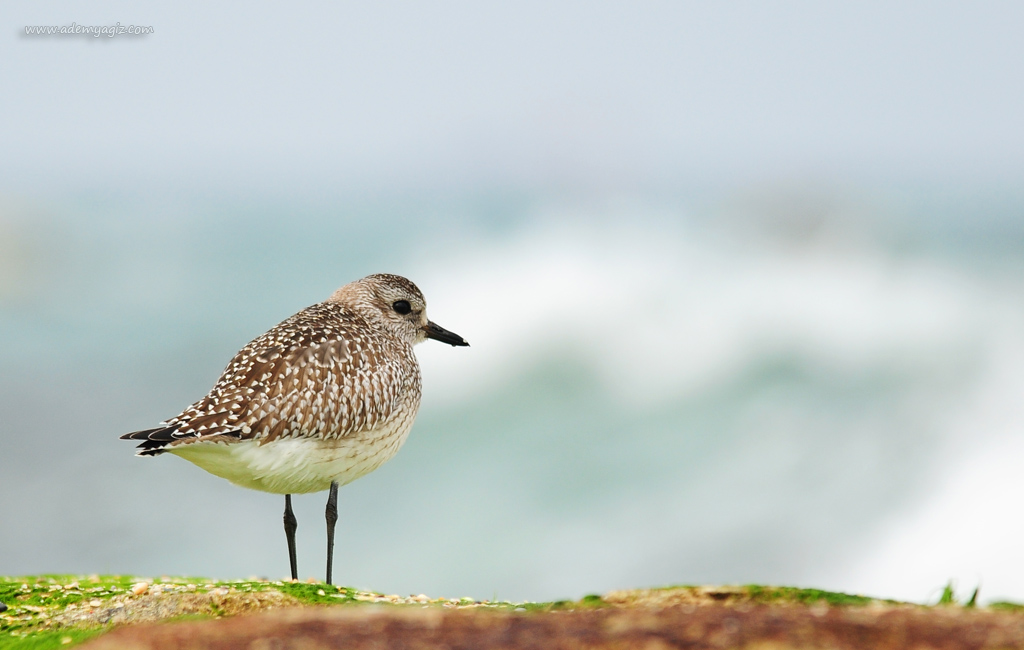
786, 385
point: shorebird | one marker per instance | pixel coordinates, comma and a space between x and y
323, 398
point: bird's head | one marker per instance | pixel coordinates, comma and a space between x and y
397, 304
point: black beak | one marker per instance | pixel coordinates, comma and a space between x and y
438, 333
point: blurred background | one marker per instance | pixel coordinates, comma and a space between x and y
743, 285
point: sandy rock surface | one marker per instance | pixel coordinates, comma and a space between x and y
649, 627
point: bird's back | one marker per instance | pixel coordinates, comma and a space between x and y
323, 375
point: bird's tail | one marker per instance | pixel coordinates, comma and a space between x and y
154, 441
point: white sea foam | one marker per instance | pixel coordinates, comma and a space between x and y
660, 309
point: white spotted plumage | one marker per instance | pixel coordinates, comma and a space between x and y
327, 395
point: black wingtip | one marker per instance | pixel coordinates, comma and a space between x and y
159, 434
153, 440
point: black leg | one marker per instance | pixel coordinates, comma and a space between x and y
332, 518
290, 524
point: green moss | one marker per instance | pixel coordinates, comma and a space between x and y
48, 640
318, 593
973, 601
33, 600
591, 601
1006, 605
947, 595
762, 594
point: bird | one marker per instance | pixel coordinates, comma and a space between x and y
318, 401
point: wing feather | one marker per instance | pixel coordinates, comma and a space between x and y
311, 376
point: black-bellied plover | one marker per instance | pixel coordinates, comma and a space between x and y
320, 400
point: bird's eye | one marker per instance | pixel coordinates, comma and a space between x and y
402, 306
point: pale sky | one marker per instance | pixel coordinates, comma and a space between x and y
325, 96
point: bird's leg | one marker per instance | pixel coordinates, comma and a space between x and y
332, 518
290, 524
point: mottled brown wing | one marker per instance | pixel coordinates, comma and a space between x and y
297, 380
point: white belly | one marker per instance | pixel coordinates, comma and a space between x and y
297, 465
